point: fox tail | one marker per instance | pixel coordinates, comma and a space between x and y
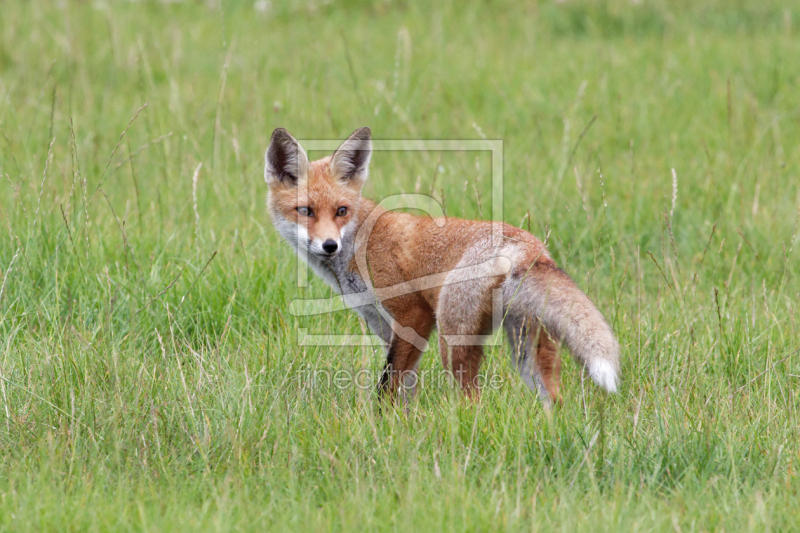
548, 295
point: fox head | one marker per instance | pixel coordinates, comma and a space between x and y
314, 203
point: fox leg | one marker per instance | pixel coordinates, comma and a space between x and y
464, 315
399, 372
536, 357
464, 362
402, 357
376, 323
548, 365
517, 332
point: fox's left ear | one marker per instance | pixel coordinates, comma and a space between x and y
350, 162
286, 163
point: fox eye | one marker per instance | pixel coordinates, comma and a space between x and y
341, 212
305, 211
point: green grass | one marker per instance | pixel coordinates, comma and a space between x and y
143, 390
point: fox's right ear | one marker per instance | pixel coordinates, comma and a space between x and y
350, 162
286, 161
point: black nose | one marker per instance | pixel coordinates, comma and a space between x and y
330, 246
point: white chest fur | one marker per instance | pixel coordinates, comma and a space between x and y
336, 273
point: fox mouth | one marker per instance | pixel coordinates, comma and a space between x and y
325, 250
325, 256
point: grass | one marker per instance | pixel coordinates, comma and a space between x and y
150, 373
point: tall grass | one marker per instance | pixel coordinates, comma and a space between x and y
150, 372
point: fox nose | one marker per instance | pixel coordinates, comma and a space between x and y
330, 246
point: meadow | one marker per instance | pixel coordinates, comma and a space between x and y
151, 374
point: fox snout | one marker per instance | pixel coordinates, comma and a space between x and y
325, 248
330, 246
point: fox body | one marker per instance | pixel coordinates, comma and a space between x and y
406, 274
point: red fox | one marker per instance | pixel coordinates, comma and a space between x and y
419, 272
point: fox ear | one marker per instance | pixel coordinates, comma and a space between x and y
286, 161
350, 162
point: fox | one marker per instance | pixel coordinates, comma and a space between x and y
407, 274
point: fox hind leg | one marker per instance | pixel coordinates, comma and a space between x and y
464, 363
548, 365
461, 345
536, 357
517, 333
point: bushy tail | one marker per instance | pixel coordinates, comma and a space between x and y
547, 294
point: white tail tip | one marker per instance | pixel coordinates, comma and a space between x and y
603, 373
